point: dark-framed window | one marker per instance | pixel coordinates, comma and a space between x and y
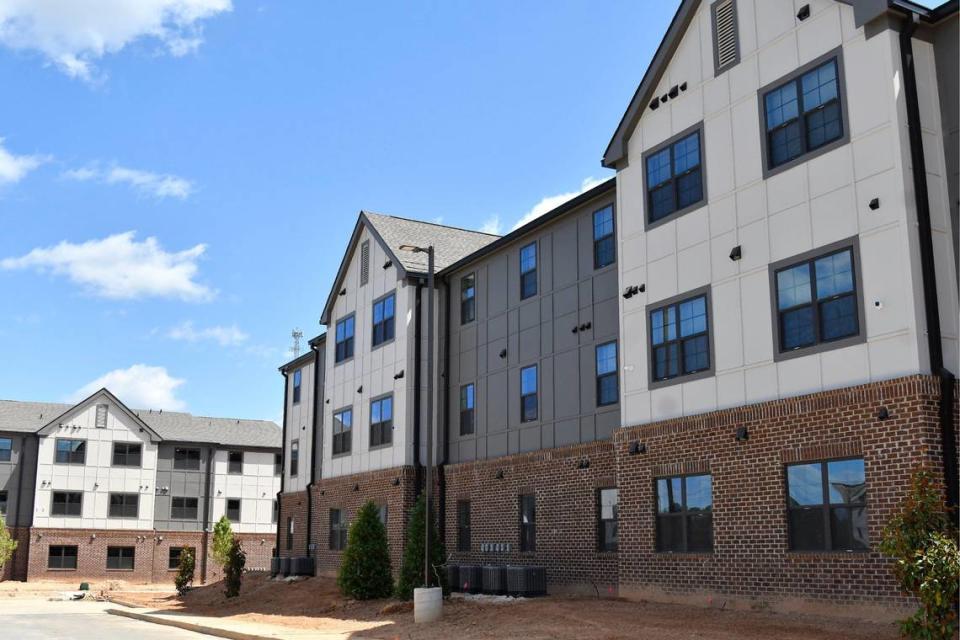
183, 508
277, 464
342, 428
70, 451
233, 509
468, 298
101, 417
294, 458
127, 454
174, 555
381, 421
66, 503
62, 556
608, 385
289, 534
235, 462
120, 558
607, 511
297, 385
604, 239
528, 522
344, 339
383, 319
827, 505
680, 338
468, 400
338, 530
3, 503
186, 459
528, 271
124, 505
673, 175
528, 394
463, 525
685, 513
6, 449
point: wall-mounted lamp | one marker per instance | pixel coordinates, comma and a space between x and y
575, 329
654, 104
637, 447
388, 264
159, 538
804, 13
343, 291
323, 491
742, 434
263, 541
631, 291
499, 475
883, 414
93, 536
874, 204
327, 401
360, 389
396, 482
683, 86
503, 353
585, 326
398, 375
583, 464
736, 253
356, 487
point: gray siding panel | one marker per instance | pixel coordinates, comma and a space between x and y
170, 483
23, 452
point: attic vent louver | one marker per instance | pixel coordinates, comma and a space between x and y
101, 416
364, 262
726, 45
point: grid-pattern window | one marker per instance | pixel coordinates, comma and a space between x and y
6, 449
67, 503
175, 553
124, 505
381, 421
383, 320
468, 399
70, 451
183, 508
817, 301
528, 394
294, 458
827, 505
233, 509
607, 519
235, 462
674, 178
608, 386
101, 416
338, 530
185, 459
120, 558
297, 385
342, 427
127, 454
803, 114
468, 298
289, 534
463, 525
62, 557
680, 338
604, 242
344, 339
685, 513
277, 464
3, 503
528, 271
528, 522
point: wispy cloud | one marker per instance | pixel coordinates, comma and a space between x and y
494, 224
225, 336
119, 267
14, 168
139, 386
157, 185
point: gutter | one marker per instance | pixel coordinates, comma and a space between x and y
22, 462
417, 330
315, 459
445, 403
283, 458
206, 515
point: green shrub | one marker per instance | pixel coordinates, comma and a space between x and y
365, 568
184, 577
233, 569
411, 571
922, 540
7, 544
222, 540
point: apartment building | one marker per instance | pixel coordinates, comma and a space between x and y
708, 377
97, 490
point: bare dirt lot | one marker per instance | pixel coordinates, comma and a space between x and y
316, 604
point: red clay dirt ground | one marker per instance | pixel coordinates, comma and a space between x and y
316, 604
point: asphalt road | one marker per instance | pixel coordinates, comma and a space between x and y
43, 620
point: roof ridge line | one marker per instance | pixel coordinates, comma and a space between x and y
434, 224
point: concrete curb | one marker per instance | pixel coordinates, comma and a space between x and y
122, 603
189, 626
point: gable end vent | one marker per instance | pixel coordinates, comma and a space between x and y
726, 43
364, 262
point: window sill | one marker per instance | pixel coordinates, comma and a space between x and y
830, 553
689, 377
120, 570
821, 347
686, 554
374, 347
379, 447
345, 454
344, 361
60, 570
670, 217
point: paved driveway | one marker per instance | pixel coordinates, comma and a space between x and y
42, 620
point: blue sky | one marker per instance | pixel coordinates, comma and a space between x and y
243, 140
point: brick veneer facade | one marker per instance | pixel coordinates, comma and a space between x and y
16, 568
293, 505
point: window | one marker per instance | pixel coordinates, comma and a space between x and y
604, 242
289, 534
468, 298
528, 271
342, 423
528, 394
235, 462
173, 560
608, 391
67, 503
276, 511
127, 454
124, 505
3, 503
344, 335
101, 419
294, 458
338, 530
607, 519
277, 464
120, 558
383, 325
70, 451
62, 557
382, 514
6, 449
827, 506
803, 113
726, 43
674, 179
297, 386
183, 508
463, 525
680, 338
528, 523
364, 262
817, 302
233, 509
468, 398
186, 459
381, 421
685, 513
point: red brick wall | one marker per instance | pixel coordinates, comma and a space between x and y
257, 546
161, 555
293, 505
16, 568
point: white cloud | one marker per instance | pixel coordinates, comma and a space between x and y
119, 267
492, 225
73, 35
552, 202
146, 182
224, 336
14, 168
140, 387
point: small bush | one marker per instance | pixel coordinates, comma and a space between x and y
222, 540
7, 544
365, 571
184, 577
233, 569
411, 571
